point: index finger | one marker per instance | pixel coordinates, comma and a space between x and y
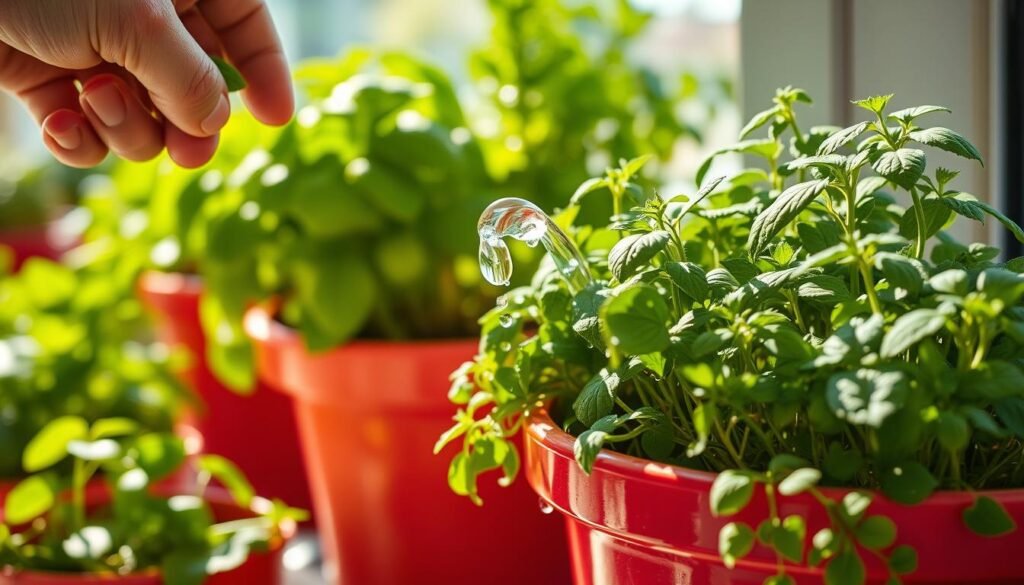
250, 41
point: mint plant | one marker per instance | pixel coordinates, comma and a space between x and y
791, 327
50, 524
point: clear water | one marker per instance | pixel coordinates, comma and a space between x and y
524, 221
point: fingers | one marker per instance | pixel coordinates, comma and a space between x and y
182, 81
68, 135
186, 150
120, 119
247, 34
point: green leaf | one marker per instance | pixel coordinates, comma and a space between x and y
786, 207
948, 140
952, 431
587, 446
936, 216
903, 560
908, 115
100, 450
799, 481
900, 271
911, 328
596, 399
1011, 413
854, 505
951, 282
588, 186
788, 538
902, 167
731, 492
636, 319
338, 290
866, 396
232, 78
702, 194
228, 474
908, 483
759, 119
29, 499
633, 252
874, 103
841, 137
988, 517
735, 540
842, 464
50, 445
846, 568
159, 454
994, 380
876, 532
689, 278
969, 206
105, 428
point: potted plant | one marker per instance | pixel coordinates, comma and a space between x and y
53, 529
69, 347
789, 377
32, 201
150, 227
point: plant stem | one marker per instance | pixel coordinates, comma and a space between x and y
869, 288
921, 224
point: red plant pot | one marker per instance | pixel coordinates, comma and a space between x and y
263, 568
633, 521
257, 432
369, 414
26, 242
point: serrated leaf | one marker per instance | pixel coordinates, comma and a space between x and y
842, 137
902, 167
948, 140
875, 103
636, 320
969, 206
786, 207
588, 186
597, 397
689, 278
633, 252
759, 119
908, 115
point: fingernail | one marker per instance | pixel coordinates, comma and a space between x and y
106, 102
65, 131
217, 118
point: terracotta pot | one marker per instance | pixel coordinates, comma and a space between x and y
369, 414
262, 568
633, 521
257, 432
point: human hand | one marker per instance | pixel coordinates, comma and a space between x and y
133, 76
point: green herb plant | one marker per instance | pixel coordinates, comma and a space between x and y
792, 327
69, 346
53, 523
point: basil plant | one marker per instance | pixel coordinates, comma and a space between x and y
807, 322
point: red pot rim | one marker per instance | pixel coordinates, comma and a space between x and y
543, 430
223, 505
362, 375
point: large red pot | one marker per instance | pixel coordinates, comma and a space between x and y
257, 432
636, 522
262, 568
369, 414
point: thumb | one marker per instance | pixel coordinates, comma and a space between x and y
182, 81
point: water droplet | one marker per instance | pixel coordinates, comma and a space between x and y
545, 507
505, 346
502, 301
506, 320
615, 341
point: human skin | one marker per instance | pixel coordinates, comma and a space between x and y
133, 76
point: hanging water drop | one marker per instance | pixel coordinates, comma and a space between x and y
505, 346
545, 507
506, 319
502, 301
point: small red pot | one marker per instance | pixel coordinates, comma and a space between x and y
262, 568
26, 242
257, 432
633, 521
369, 414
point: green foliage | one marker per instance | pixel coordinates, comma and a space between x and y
791, 328
70, 356
33, 196
50, 525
